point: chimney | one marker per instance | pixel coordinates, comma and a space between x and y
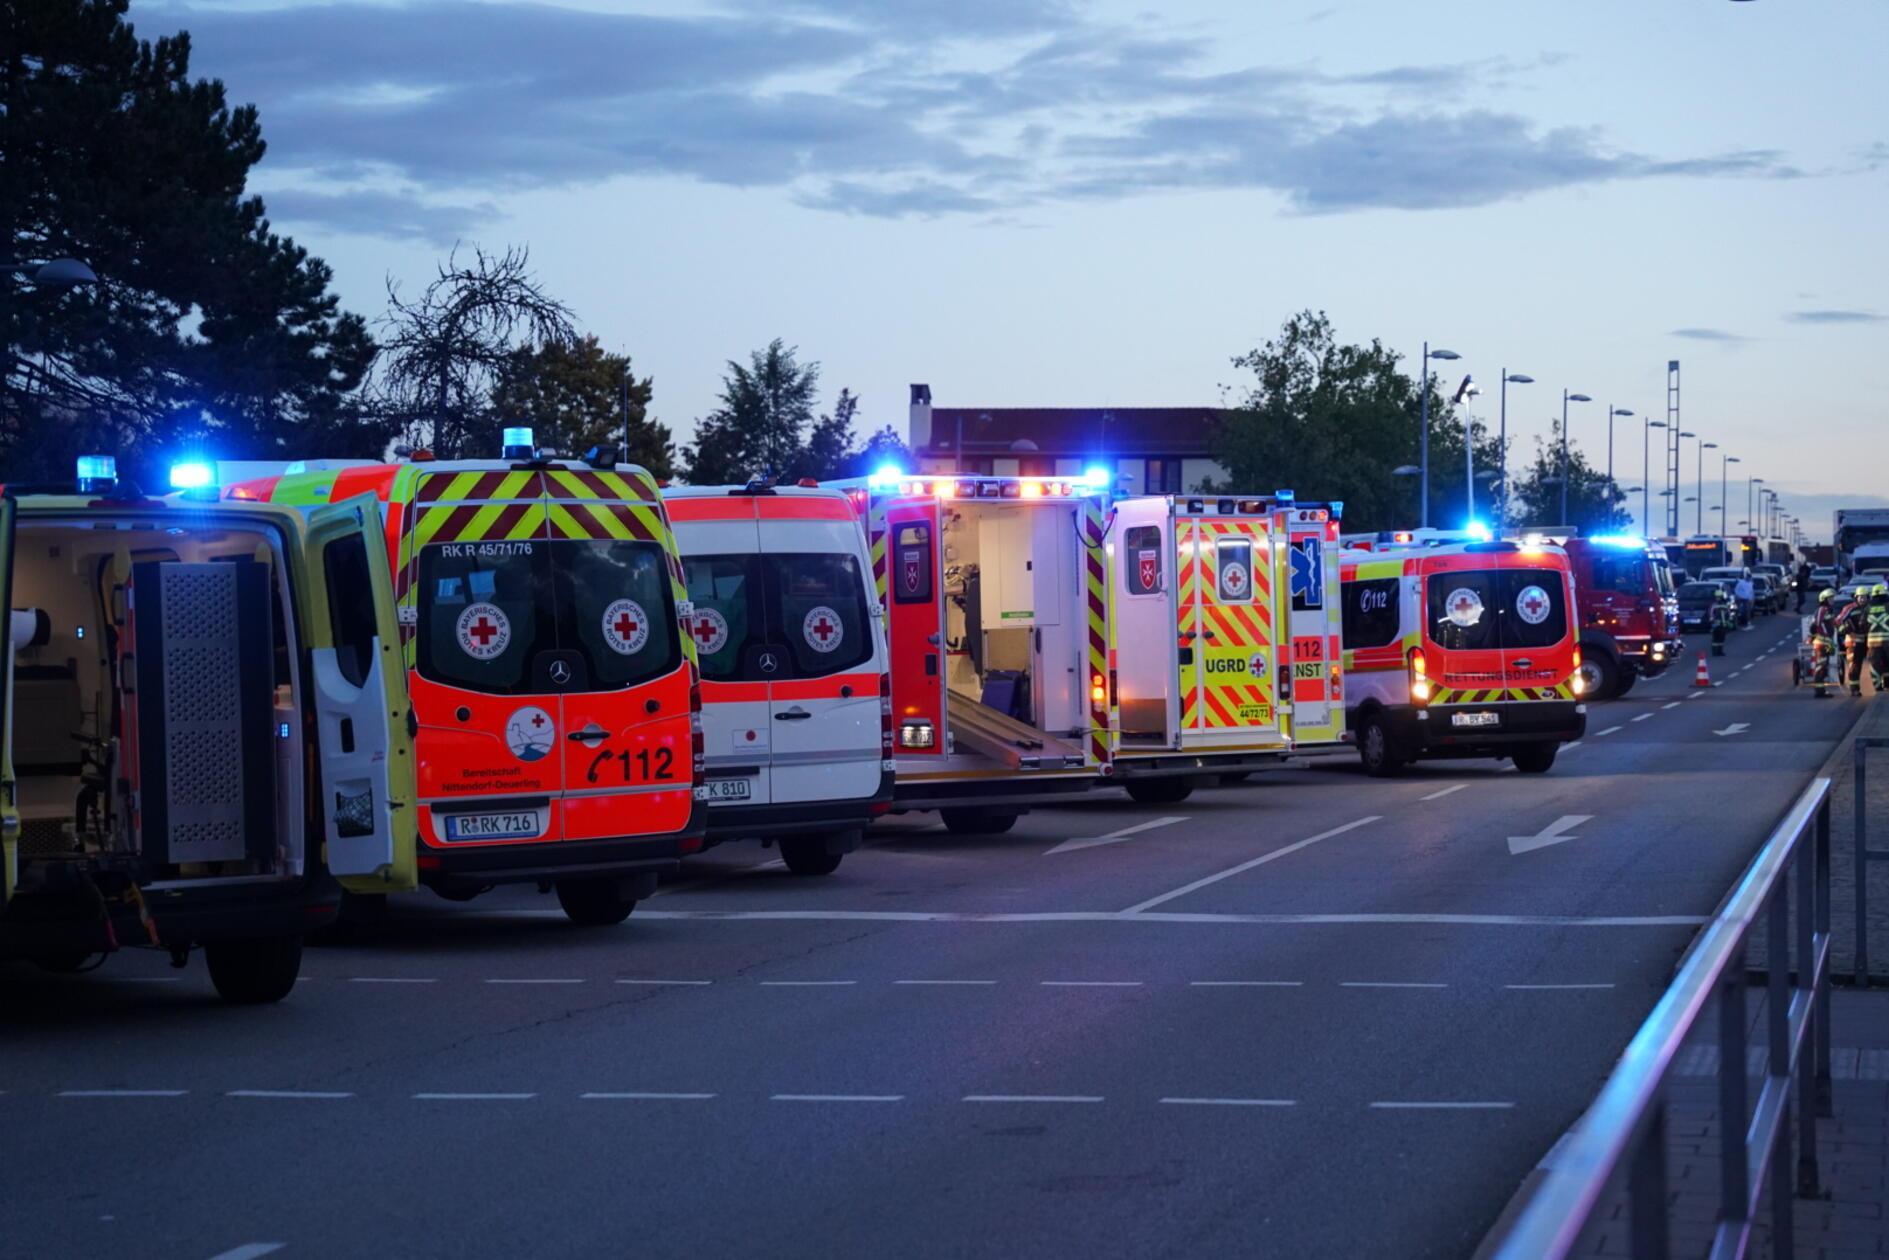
921, 418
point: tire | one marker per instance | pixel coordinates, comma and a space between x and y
1376, 749
597, 902
1600, 674
1159, 791
1627, 678
255, 970
808, 855
1535, 758
977, 822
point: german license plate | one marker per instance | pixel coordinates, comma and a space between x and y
729, 789
1475, 719
491, 826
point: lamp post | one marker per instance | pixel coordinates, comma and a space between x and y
1679, 456
1700, 483
1725, 462
1502, 441
1751, 485
1612, 411
1406, 470
1566, 398
1646, 475
1465, 393
1423, 435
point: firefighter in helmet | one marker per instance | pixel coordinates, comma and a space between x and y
1724, 620
1823, 638
1876, 622
1850, 637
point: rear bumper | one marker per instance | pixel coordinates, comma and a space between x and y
39, 923
761, 822
1181, 764
1021, 788
470, 869
1431, 732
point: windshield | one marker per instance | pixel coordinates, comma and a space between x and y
1663, 575
1476, 610
1697, 592
811, 606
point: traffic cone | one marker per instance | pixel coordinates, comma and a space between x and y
1701, 678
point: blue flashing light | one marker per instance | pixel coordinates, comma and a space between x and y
886, 476
1284, 496
192, 475
517, 437
1617, 540
1096, 477
1337, 508
95, 471
1478, 531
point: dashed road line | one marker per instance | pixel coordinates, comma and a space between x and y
1555, 987
1642, 717
1248, 865
1246, 984
323, 1095
837, 1098
1672, 705
1032, 1098
248, 1251
1090, 984
461, 1097
1231, 1102
123, 1093
1391, 984
806, 984
561, 980
1570, 747
1610, 730
1442, 1106
685, 983
1113, 837
392, 980
1438, 795
644, 1095
948, 983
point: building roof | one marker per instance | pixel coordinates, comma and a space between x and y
1073, 431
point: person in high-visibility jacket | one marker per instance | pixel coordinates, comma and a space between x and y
1823, 641
1851, 637
1724, 620
1876, 619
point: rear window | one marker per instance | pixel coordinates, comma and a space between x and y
1478, 610
823, 611
1623, 572
811, 608
726, 594
1370, 612
615, 607
1698, 592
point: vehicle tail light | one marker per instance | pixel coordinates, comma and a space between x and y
1337, 682
1098, 690
885, 716
1579, 684
1419, 677
698, 744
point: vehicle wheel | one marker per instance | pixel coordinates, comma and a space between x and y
1627, 678
595, 902
1376, 749
1159, 791
66, 963
255, 970
1535, 758
1600, 674
807, 855
1236, 778
977, 822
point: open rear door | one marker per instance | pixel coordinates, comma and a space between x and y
366, 782
1312, 605
1143, 550
9, 806
915, 624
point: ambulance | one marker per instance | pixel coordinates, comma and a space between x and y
1460, 649
796, 700
203, 727
999, 624
1231, 604
544, 630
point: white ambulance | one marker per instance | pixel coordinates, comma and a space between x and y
1232, 605
796, 700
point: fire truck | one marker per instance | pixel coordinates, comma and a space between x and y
556, 711
1232, 604
204, 726
1000, 624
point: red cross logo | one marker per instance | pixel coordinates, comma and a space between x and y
704, 630
537, 719
824, 629
625, 626
484, 631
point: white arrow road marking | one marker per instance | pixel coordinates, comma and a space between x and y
1736, 728
1113, 837
1553, 833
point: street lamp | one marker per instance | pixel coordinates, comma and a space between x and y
1751, 483
1406, 470
1646, 474
1612, 411
1423, 437
1502, 438
1700, 482
1725, 462
60, 273
1465, 392
1566, 398
1679, 456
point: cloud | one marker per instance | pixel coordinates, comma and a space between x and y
893, 108
1835, 317
1708, 334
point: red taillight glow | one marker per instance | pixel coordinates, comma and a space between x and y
1098, 690
1419, 678
885, 715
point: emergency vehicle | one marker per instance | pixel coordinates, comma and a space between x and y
1000, 626
1460, 649
545, 635
197, 733
1232, 605
796, 701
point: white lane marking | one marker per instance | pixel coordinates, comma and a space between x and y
946, 982
644, 1096
249, 1251
1672, 705
1610, 730
1246, 984
837, 1098
1231, 1102
1555, 987
1249, 864
288, 1093
1695, 695
473, 1097
806, 984
1566, 748
542, 981
692, 983
1743, 670
1553, 833
1718, 684
1391, 984
1736, 728
1165, 916
1642, 717
391, 980
1442, 1106
1090, 984
1032, 1098
1440, 794
1113, 837
123, 1093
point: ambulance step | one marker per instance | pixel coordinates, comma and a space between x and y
982, 729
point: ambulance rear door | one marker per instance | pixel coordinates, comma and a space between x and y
1311, 606
9, 803
734, 644
1146, 610
915, 624
824, 713
359, 694
1235, 616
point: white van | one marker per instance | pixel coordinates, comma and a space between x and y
796, 700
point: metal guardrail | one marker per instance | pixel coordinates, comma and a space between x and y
1864, 854
1624, 1131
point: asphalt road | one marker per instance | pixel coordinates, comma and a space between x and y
1316, 1014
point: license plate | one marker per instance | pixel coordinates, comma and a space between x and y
729, 789
491, 826
1475, 719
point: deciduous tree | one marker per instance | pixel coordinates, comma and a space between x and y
573, 396
766, 408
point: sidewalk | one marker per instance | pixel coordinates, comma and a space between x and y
1843, 852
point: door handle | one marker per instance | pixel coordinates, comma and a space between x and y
588, 734
793, 715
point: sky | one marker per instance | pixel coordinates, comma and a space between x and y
1052, 203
